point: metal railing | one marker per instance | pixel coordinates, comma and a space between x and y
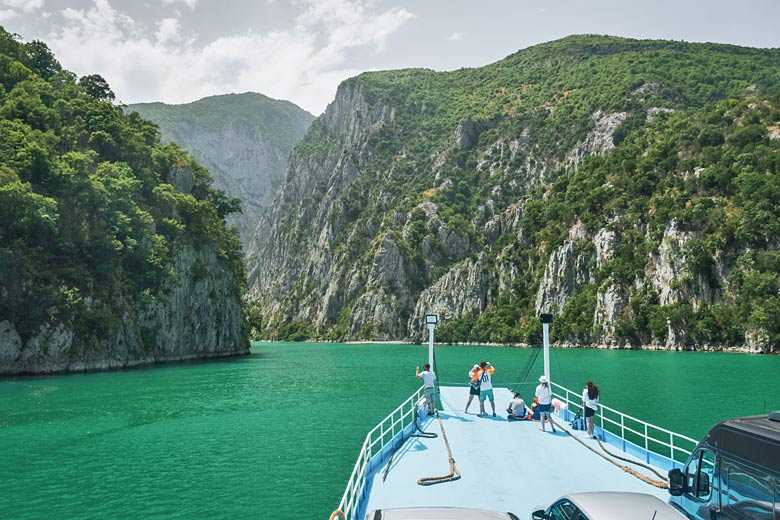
375, 441
651, 438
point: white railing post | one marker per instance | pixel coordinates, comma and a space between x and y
643, 433
356, 482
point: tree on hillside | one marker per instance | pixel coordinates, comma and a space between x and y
97, 87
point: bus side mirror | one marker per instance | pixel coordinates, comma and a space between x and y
676, 482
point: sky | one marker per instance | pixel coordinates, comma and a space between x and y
178, 51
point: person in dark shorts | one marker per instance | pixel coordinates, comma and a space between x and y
544, 393
590, 405
473, 386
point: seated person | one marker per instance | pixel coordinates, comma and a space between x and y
534, 414
517, 410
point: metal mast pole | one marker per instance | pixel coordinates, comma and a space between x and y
546, 320
431, 320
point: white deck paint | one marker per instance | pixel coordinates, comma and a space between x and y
505, 466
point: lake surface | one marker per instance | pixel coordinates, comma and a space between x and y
275, 434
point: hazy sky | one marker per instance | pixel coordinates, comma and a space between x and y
178, 51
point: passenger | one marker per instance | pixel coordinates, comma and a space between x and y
473, 386
485, 374
590, 405
517, 410
544, 393
534, 414
429, 382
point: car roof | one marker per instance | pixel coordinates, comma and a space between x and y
755, 439
437, 513
614, 505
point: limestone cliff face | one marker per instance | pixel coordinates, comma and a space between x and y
404, 200
196, 314
200, 317
296, 268
243, 140
292, 258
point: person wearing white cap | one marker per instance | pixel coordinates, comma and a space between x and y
544, 394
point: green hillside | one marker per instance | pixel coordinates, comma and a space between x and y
695, 153
90, 220
243, 139
272, 118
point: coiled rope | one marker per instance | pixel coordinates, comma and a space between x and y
425, 435
644, 478
454, 473
338, 513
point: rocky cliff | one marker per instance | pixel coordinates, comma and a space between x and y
244, 141
195, 314
113, 248
194, 319
595, 178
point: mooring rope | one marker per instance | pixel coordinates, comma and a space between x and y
641, 464
338, 513
644, 478
424, 435
454, 473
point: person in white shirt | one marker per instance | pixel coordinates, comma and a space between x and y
485, 374
544, 394
590, 405
429, 382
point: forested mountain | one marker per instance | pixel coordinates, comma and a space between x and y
113, 248
244, 141
629, 187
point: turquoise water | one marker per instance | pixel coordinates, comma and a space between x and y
275, 434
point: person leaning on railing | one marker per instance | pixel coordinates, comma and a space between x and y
590, 405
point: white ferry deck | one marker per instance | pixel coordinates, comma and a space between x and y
505, 466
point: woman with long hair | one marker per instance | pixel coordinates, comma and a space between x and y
590, 405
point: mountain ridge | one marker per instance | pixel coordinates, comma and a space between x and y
113, 249
419, 191
242, 139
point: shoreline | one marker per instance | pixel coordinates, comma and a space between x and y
732, 350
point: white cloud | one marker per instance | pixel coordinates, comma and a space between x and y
190, 3
303, 64
7, 14
25, 6
456, 36
168, 30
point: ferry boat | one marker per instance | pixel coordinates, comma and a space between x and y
492, 464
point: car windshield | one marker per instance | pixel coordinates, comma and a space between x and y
565, 510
